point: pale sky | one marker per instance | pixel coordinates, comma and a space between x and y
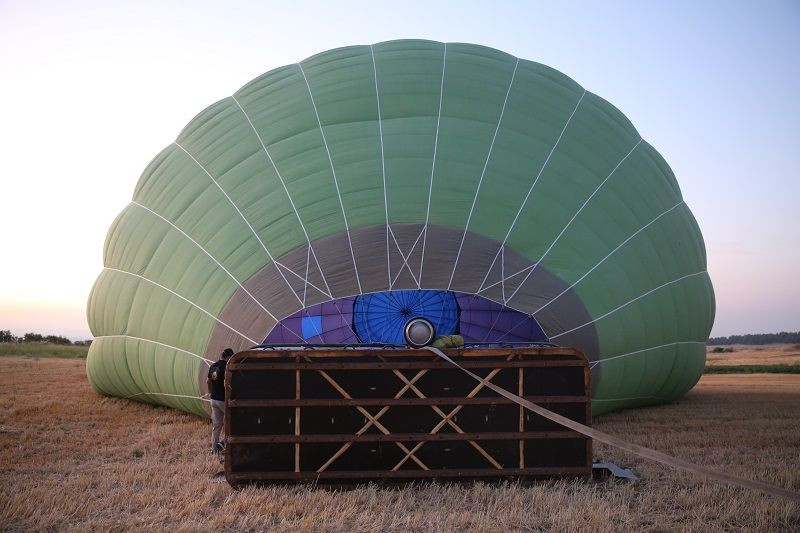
91, 91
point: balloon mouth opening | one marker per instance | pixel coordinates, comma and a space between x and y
419, 332
381, 317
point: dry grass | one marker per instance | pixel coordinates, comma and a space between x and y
73, 460
765, 354
43, 349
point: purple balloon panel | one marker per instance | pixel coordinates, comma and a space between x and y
334, 320
483, 320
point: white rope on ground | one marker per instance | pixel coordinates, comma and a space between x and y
206, 361
635, 449
333, 173
530, 190
630, 302
201, 398
291, 202
568, 224
433, 165
182, 298
483, 173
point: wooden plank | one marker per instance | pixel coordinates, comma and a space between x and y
391, 402
410, 474
587, 385
406, 437
401, 352
520, 387
402, 365
297, 421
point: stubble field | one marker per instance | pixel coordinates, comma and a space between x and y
765, 354
71, 459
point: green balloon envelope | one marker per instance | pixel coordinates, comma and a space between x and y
404, 165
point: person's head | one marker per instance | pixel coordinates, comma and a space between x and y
226, 353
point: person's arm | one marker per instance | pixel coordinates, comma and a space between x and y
208, 380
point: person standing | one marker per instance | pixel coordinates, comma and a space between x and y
216, 386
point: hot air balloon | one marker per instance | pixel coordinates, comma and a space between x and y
330, 200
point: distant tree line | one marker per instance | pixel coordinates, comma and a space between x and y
6, 336
784, 337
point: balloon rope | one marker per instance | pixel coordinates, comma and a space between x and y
635, 449
483, 173
433, 166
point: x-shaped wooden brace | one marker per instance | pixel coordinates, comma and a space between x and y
446, 420
371, 420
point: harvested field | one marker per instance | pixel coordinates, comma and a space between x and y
763, 354
43, 349
73, 459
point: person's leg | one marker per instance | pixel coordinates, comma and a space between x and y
217, 417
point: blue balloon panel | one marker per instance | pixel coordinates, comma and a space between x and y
381, 316
311, 326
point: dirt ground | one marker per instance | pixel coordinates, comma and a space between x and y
71, 459
765, 354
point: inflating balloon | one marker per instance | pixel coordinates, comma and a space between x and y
335, 199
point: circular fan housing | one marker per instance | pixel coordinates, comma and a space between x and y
419, 332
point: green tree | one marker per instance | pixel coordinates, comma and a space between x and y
33, 337
57, 339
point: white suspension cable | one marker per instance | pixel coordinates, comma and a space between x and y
620, 245
530, 190
578, 212
483, 173
291, 202
383, 167
220, 265
206, 361
643, 350
433, 164
333, 173
184, 299
628, 303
